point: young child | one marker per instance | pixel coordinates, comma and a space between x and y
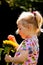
29, 25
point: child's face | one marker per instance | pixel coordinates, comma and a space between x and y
25, 32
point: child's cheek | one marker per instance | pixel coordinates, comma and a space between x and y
21, 34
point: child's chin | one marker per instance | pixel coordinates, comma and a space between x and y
22, 37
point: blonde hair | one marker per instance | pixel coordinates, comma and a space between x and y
24, 15
39, 19
35, 18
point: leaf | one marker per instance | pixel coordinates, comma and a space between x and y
23, 7
1, 49
12, 51
7, 50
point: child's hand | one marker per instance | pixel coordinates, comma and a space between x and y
12, 38
8, 58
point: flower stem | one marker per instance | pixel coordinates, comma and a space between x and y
7, 63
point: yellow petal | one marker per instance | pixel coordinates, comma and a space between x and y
11, 43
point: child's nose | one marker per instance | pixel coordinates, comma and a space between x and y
17, 31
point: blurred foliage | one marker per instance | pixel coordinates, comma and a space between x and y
0, 2
10, 2
24, 4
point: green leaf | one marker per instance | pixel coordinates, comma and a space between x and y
7, 50
1, 49
23, 7
12, 51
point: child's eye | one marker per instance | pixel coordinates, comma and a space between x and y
19, 28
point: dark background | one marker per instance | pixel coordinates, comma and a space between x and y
8, 26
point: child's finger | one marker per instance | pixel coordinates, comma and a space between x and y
11, 37
7, 58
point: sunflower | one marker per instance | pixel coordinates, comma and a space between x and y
9, 42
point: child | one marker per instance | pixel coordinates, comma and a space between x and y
29, 25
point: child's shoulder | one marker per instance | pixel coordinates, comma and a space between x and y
30, 40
